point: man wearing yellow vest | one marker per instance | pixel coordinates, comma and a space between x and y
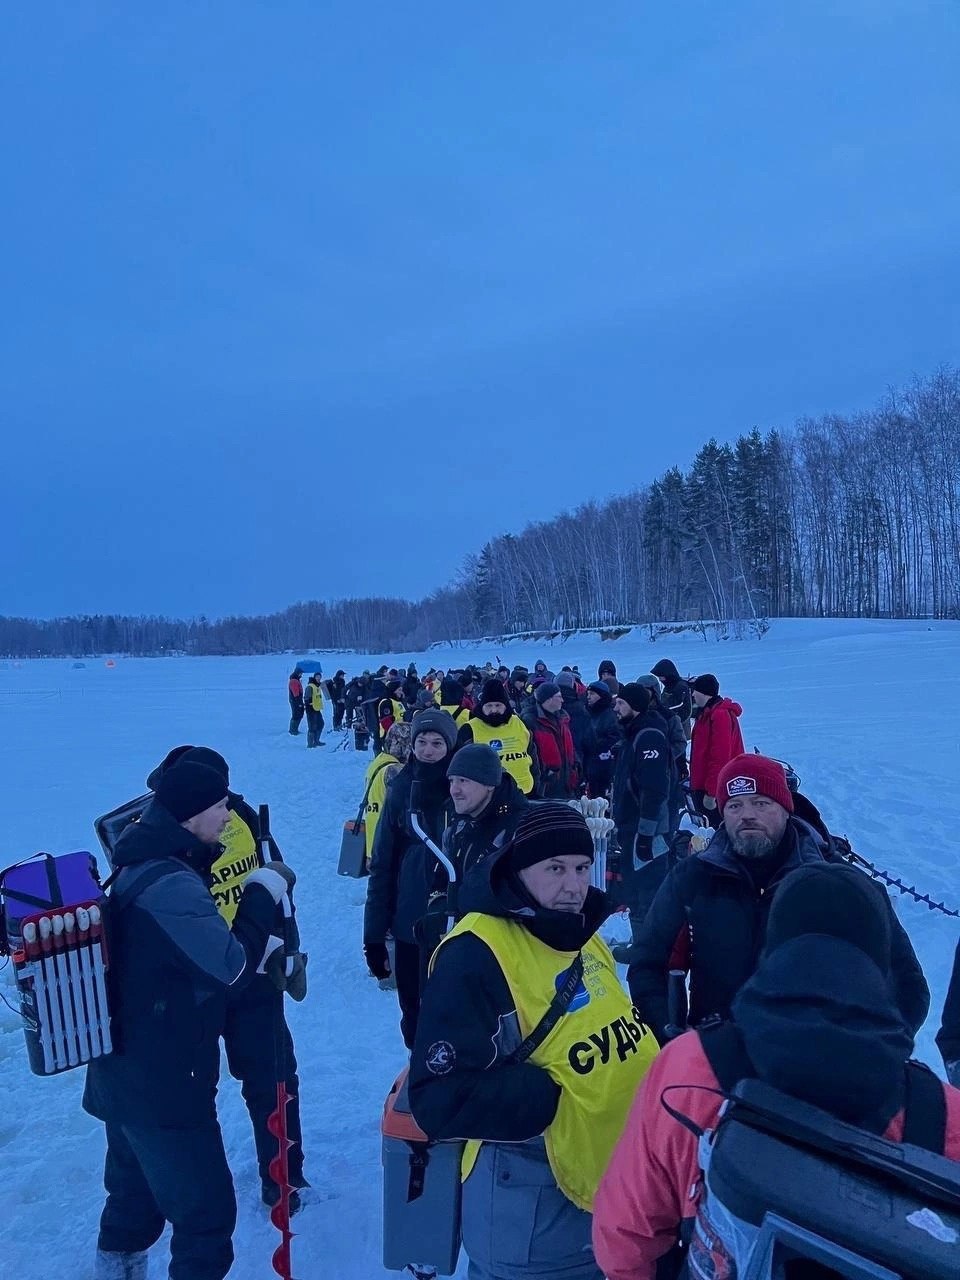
251, 1027
543, 1128
313, 705
494, 724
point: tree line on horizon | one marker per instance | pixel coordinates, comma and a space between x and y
840, 517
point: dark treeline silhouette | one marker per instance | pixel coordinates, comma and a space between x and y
841, 517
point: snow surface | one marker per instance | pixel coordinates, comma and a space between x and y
865, 711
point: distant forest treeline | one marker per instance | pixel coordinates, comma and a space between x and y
840, 517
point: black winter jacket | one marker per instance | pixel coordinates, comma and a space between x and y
468, 1011
173, 962
641, 781
467, 841
580, 723
676, 693
403, 871
605, 733
711, 918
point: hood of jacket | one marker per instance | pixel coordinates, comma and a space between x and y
158, 835
818, 1022
666, 671
493, 890
603, 703
727, 704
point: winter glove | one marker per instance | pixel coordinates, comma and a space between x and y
953, 1073
297, 981
643, 849
377, 958
709, 802
277, 878
272, 962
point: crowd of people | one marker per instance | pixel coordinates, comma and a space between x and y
756, 952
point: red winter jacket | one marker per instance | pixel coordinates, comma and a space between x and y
716, 740
652, 1182
556, 753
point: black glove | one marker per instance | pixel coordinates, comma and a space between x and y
643, 848
377, 958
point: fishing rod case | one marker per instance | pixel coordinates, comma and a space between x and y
786, 1181
60, 973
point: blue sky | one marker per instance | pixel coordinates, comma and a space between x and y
308, 300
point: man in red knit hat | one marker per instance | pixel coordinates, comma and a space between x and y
710, 915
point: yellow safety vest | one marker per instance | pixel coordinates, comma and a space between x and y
316, 697
375, 784
399, 711
511, 741
240, 856
598, 1053
455, 711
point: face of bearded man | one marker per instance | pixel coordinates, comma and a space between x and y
755, 825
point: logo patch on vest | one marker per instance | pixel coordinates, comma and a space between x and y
742, 787
496, 744
441, 1058
581, 997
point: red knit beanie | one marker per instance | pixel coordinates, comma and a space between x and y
749, 775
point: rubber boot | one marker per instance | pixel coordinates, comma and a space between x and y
120, 1266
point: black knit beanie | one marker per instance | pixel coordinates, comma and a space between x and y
838, 901
548, 831
636, 696
493, 690
212, 759
188, 789
708, 684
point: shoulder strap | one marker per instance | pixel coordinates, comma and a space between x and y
120, 900
925, 1121
723, 1046
363, 803
558, 1007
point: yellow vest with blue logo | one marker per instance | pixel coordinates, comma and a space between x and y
240, 856
316, 697
376, 787
598, 1053
511, 741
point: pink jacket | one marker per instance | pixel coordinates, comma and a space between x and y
653, 1180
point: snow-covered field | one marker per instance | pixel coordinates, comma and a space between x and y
866, 711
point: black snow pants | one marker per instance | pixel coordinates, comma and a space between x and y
296, 714
254, 1020
155, 1176
314, 727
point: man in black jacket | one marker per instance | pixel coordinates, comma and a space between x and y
576, 709
676, 692
173, 961
404, 874
710, 914
338, 689
640, 795
488, 804
602, 740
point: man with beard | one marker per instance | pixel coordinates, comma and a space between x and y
404, 874
488, 804
494, 724
816, 1022
601, 742
712, 909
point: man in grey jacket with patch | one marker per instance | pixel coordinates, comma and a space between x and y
172, 961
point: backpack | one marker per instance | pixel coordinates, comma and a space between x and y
786, 1182
54, 925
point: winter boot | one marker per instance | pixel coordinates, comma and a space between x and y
270, 1195
120, 1266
